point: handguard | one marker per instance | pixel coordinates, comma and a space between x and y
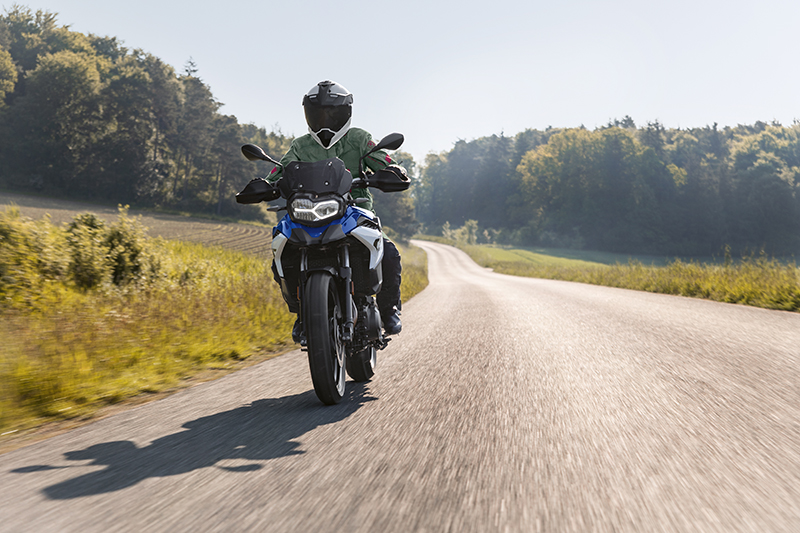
258, 190
390, 179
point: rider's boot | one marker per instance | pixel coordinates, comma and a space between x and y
391, 321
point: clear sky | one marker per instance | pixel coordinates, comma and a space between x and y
439, 71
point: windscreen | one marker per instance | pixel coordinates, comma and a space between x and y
320, 177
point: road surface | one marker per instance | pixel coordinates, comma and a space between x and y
507, 404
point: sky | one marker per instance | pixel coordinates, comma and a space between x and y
439, 71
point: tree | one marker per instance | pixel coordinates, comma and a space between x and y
593, 189
120, 166
193, 138
165, 94
430, 191
8, 74
653, 136
59, 117
766, 179
84, 116
229, 165
396, 210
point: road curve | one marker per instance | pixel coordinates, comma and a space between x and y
507, 404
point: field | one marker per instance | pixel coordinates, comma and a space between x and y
558, 257
758, 281
249, 238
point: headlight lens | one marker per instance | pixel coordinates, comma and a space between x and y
306, 210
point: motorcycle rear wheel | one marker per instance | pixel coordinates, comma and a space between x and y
326, 351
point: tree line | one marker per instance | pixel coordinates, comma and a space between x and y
623, 188
83, 116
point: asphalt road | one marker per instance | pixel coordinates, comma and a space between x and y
507, 404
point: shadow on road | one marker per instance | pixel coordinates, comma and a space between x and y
263, 430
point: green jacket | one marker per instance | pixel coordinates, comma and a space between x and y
350, 148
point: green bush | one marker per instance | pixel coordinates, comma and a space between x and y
115, 253
31, 254
126, 254
17, 256
93, 313
88, 264
87, 253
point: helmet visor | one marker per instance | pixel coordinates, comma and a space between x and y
333, 118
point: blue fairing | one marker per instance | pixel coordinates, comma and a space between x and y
348, 222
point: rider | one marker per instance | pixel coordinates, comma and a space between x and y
328, 108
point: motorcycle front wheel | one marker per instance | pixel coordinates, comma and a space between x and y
326, 351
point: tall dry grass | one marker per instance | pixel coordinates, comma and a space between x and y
82, 328
415, 271
92, 314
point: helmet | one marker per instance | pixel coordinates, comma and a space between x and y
328, 108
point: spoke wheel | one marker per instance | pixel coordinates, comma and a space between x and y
326, 351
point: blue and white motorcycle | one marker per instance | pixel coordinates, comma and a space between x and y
328, 254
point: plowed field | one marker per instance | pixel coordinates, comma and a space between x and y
242, 237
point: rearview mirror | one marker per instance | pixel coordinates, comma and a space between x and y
393, 141
255, 153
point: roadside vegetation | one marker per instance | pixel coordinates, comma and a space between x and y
755, 280
415, 270
92, 313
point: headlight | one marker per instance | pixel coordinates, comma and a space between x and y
306, 210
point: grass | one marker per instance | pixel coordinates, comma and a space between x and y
756, 281
76, 341
72, 352
415, 271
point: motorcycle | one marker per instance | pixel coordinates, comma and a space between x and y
331, 251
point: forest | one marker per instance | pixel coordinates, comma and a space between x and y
82, 116
623, 188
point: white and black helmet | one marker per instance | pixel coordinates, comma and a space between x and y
329, 108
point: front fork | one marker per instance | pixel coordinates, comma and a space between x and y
345, 273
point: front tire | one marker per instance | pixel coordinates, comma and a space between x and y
326, 351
